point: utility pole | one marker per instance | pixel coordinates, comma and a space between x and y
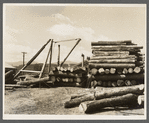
24, 57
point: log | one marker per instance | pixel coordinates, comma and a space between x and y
94, 71
93, 84
114, 77
114, 84
130, 70
120, 83
97, 105
15, 86
112, 70
127, 83
9, 88
110, 53
119, 70
106, 65
117, 48
141, 100
113, 61
139, 63
7, 74
101, 71
99, 83
125, 71
33, 81
76, 101
107, 71
119, 92
137, 70
133, 82
113, 57
109, 84
104, 84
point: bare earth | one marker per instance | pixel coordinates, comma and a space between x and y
51, 101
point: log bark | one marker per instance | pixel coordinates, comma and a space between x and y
110, 53
106, 65
111, 42
141, 100
76, 101
9, 88
15, 86
119, 92
112, 61
8, 73
113, 57
117, 48
33, 81
114, 77
97, 105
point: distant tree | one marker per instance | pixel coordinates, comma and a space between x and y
37, 67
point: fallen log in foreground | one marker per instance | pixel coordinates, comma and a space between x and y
119, 91
97, 105
15, 86
76, 101
141, 100
35, 81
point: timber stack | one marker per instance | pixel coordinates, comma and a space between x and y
116, 63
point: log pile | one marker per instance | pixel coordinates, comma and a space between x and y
116, 63
91, 100
68, 76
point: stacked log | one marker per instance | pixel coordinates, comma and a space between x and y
117, 63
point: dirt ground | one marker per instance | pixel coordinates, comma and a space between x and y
51, 101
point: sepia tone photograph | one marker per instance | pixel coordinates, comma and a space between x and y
74, 61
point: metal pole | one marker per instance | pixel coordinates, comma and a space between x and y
70, 51
58, 61
32, 59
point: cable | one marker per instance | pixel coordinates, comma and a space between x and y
64, 40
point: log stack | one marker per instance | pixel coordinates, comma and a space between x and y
117, 63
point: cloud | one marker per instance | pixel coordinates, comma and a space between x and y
61, 18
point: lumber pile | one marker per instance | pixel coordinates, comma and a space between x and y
116, 63
91, 100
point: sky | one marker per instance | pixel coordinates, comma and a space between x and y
27, 27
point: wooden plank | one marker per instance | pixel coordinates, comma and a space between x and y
107, 65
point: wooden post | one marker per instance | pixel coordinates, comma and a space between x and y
58, 61
50, 56
43, 67
82, 60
